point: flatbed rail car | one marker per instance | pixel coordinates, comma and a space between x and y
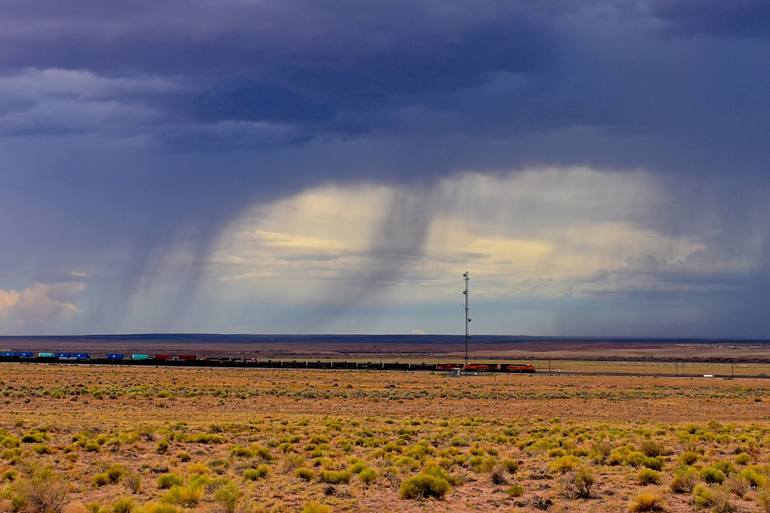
168, 359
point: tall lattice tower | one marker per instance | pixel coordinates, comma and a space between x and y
466, 293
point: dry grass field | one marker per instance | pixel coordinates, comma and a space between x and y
80, 439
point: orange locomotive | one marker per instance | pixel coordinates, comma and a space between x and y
487, 367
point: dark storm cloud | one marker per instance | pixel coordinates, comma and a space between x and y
132, 129
736, 18
324, 66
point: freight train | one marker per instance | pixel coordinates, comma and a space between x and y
209, 361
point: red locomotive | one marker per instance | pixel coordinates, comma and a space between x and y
487, 367
513, 367
480, 367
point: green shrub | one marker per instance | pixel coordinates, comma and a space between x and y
743, 459
367, 476
648, 476
754, 477
688, 457
436, 471
252, 474
615, 458
564, 464
101, 479
166, 481
655, 463
42, 449
156, 507
123, 505
515, 490
712, 475
42, 491
763, 498
187, 496
652, 448
133, 482
33, 438
600, 451
635, 459
95, 507
10, 441
162, 447
646, 501
717, 500
357, 467
263, 454
581, 483
424, 485
316, 507
510, 465
480, 464
335, 477
227, 496
92, 446
304, 473
238, 451
684, 480
115, 472
725, 466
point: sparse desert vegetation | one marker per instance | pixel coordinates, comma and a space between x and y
91, 439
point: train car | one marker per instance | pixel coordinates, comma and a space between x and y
46, 354
175, 357
421, 366
448, 366
67, 356
513, 367
17, 354
115, 356
395, 366
140, 356
480, 367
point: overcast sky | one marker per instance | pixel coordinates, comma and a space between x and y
600, 167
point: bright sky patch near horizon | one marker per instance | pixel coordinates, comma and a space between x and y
600, 167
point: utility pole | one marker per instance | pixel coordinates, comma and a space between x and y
467, 278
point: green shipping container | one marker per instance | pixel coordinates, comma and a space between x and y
140, 356
46, 355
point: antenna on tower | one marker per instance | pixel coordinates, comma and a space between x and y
466, 293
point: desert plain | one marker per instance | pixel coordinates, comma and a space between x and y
99, 439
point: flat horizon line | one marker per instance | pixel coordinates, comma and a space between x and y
509, 337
